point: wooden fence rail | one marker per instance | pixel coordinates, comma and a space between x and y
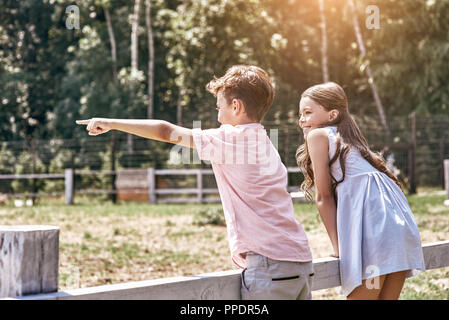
218, 285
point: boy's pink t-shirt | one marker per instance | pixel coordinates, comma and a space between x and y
252, 182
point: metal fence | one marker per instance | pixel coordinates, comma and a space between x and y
419, 145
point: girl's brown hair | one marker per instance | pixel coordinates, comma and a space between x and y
331, 96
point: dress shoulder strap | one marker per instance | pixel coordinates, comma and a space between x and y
332, 136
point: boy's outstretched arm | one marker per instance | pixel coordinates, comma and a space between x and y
148, 128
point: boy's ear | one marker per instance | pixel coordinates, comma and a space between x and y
238, 106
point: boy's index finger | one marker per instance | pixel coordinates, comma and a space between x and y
82, 121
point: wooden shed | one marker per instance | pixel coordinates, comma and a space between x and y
132, 184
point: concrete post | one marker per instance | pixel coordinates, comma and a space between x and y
29, 257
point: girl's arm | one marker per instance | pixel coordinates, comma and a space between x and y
318, 146
148, 128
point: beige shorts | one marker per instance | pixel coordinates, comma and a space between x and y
268, 279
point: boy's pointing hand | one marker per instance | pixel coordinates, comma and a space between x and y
96, 126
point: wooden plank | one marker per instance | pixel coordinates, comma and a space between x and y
35, 195
188, 200
178, 200
221, 285
446, 177
177, 191
182, 171
327, 273
81, 172
186, 191
212, 200
199, 185
412, 154
436, 254
32, 176
151, 176
69, 190
210, 191
28, 259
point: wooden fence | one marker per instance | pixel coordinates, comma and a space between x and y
211, 286
146, 182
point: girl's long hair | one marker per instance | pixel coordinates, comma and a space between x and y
331, 96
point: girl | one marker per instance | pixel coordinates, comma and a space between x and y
361, 203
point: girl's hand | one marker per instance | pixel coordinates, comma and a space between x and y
96, 126
336, 252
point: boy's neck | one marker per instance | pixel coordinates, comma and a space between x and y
242, 121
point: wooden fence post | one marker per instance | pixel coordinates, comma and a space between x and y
28, 260
441, 170
199, 185
69, 190
152, 185
412, 154
446, 180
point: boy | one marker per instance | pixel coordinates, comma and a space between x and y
264, 237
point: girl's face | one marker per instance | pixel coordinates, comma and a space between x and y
312, 115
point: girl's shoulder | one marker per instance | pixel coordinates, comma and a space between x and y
322, 135
322, 131
331, 128
325, 131
318, 136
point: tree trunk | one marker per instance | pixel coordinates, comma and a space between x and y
150, 59
179, 106
134, 40
323, 42
115, 79
358, 34
134, 67
112, 40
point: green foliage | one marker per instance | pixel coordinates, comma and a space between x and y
213, 216
50, 75
26, 163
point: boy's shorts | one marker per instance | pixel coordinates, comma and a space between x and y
268, 279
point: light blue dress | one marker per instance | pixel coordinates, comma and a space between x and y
377, 233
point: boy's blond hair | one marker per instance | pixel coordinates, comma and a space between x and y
250, 84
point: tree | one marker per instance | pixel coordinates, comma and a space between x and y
115, 79
380, 108
150, 58
323, 43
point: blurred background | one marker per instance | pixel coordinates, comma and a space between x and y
66, 60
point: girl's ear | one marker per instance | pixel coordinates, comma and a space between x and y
333, 114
